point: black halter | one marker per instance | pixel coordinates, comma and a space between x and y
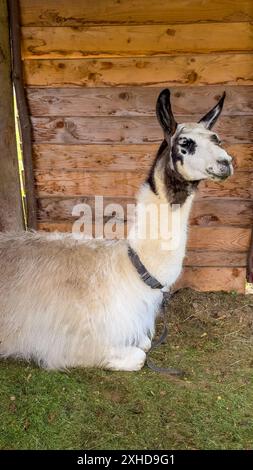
152, 282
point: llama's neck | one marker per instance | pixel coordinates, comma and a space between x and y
161, 243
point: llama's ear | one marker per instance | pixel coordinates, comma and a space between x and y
164, 113
211, 117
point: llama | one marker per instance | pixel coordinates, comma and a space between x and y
77, 303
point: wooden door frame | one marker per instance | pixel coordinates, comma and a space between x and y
11, 211
24, 117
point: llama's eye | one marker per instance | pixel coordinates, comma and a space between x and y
183, 151
185, 143
188, 145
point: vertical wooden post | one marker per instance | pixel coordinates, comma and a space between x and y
24, 118
11, 212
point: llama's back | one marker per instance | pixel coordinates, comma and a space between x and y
50, 283
33, 263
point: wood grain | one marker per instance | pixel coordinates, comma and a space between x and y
125, 184
83, 12
202, 69
215, 258
205, 212
219, 238
141, 40
215, 212
94, 157
213, 279
134, 130
242, 156
60, 209
117, 157
79, 183
132, 101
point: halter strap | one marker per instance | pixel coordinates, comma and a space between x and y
145, 275
152, 282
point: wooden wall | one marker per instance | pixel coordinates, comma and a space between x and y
93, 70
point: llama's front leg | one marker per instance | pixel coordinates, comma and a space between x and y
145, 344
125, 358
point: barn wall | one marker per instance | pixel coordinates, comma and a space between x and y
93, 71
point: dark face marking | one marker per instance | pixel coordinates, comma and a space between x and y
177, 188
150, 179
176, 154
182, 146
188, 145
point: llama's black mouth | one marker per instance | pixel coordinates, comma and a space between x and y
218, 176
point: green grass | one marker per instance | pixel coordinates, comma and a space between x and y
212, 408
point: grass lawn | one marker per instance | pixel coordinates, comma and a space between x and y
211, 338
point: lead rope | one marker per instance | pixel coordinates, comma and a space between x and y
158, 342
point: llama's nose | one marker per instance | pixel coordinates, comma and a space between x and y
225, 167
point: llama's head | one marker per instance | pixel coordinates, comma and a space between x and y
195, 150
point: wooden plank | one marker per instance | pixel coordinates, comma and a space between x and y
96, 130
202, 69
215, 212
134, 101
142, 40
94, 157
55, 209
83, 12
79, 183
134, 130
126, 183
57, 226
215, 258
117, 157
11, 213
242, 155
205, 212
218, 239
213, 279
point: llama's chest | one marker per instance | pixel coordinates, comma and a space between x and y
169, 258
170, 270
